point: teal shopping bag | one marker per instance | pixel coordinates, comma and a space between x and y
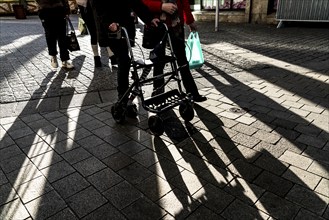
194, 51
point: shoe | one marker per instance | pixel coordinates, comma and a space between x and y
97, 61
114, 61
199, 98
131, 111
53, 61
67, 64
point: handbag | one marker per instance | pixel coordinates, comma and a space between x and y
71, 38
153, 35
193, 51
82, 27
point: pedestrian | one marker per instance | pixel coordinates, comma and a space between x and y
87, 14
175, 14
111, 16
53, 14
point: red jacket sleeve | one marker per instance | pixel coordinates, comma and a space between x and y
184, 9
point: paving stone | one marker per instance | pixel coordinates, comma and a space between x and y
320, 169
244, 153
323, 187
90, 141
271, 164
86, 201
122, 195
19, 212
166, 169
277, 207
178, 204
247, 192
76, 155
7, 193
104, 179
143, 209
312, 141
65, 214
240, 210
134, 173
271, 138
116, 139
89, 166
146, 157
118, 161
64, 146
308, 199
131, 148
304, 214
246, 140
296, 160
10, 151
244, 170
302, 177
317, 154
33, 189
201, 212
46, 205
273, 183
57, 171
70, 185
106, 211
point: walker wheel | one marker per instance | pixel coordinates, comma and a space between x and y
186, 111
156, 125
118, 113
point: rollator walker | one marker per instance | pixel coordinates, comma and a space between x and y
157, 103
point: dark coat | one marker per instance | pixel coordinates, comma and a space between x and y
118, 11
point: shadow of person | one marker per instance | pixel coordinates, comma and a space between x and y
31, 138
261, 174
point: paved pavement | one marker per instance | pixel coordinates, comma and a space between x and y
256, 149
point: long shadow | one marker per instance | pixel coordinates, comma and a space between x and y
199, 175
28, 149
273, 194
302, 85
280, 123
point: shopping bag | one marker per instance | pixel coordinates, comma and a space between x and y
194, 51
82, 27
71, 38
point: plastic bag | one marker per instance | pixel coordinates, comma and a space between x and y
82, 27
194, 51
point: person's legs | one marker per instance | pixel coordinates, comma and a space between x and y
120, 50
178, 43
88, 17
51, 40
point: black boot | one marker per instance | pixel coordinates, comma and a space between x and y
97, 61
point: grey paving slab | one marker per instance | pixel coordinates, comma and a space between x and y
256, 149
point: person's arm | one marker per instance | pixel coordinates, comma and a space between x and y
143, 12
187, 14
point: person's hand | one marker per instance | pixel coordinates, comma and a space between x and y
155, 22
114, 27
170, 8
193, 27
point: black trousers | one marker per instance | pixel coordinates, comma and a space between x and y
178, 43
87, 15
54, 24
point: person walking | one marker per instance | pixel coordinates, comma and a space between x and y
111, 16
175, 14
87, 14
53, 14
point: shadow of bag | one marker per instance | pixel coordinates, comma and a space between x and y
194, 51
71, 38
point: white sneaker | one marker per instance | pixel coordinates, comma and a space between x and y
53, 62
67, 64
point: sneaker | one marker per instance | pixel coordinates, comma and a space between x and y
97, 61
53, 61
114, 61
131, 111
67, 64
199, 98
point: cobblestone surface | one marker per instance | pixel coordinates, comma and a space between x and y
256, 149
